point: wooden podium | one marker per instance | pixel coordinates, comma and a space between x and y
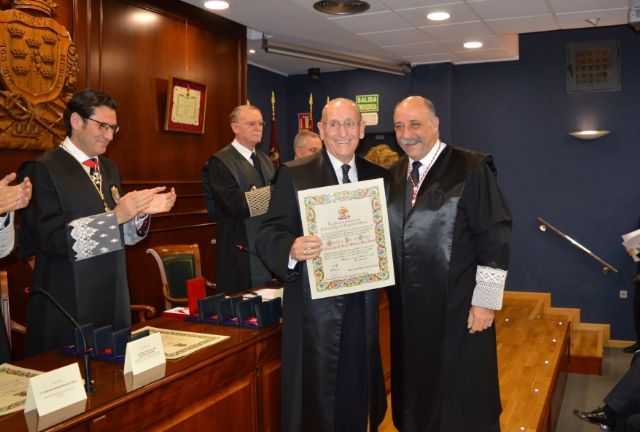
232, 386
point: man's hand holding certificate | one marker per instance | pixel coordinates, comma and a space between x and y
348, 226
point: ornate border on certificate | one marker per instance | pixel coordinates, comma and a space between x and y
354, 229
183, 343
186, 106
14, 382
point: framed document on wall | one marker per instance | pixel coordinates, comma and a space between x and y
186, 105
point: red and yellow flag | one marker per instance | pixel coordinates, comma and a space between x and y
274, 151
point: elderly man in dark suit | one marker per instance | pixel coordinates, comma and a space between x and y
239, 179
332, 373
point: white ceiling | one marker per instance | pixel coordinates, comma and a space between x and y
397, 31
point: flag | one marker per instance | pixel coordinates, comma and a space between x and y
274, 151
311, 111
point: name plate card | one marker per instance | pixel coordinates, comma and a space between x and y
54, 396
351, 220
144, 361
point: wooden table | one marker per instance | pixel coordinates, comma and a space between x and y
231, 386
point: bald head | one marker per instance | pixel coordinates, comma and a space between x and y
341, 128
416, 126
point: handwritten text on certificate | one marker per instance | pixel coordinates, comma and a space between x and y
351, 220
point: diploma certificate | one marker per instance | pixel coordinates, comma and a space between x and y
351, 219
14, 382
178, 344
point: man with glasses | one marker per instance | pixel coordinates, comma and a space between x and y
77, 225
239, 181
306, 143
450, 232
331, 369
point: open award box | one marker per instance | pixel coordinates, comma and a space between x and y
103, 343
248, 311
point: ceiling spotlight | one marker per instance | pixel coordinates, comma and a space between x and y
438, 16
343, 7
216, 5
473, 44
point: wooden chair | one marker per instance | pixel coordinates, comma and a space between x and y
9, 324
144, 312
177, 263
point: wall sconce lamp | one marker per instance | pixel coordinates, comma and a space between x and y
332, 58
589, 134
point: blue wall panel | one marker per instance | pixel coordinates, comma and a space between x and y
520, 112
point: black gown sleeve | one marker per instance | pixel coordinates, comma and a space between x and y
489, 218
280, 227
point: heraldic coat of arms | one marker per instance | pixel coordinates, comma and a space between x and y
38, 72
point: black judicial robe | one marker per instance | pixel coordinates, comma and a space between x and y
312, 328
93, 290
443, 378
230, 176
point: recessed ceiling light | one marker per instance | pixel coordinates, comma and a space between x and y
473, 45
216, 5
438, 16
252, 51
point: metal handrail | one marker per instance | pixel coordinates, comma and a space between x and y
606, 267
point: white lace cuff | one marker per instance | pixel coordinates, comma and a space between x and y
95, 235
489, 288
7, 236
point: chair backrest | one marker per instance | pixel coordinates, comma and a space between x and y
177, 263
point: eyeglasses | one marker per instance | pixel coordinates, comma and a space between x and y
104, 127
335, 125
253, 124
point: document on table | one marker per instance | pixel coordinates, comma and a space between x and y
352, 221
178, 344
14, 382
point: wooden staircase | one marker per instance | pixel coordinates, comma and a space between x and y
586, 340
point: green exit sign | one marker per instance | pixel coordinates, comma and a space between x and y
368, 103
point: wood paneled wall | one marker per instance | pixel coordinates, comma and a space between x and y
129, 49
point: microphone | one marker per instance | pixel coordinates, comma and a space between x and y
242, 248
88, 385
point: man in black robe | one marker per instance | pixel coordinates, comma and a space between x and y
450, 231
12, 198
239, 178
77, 225
331, 369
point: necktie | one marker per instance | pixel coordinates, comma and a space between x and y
94, 172
412, 186
345, 173
256, 165
415, 171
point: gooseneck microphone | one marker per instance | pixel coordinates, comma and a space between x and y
88, 384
